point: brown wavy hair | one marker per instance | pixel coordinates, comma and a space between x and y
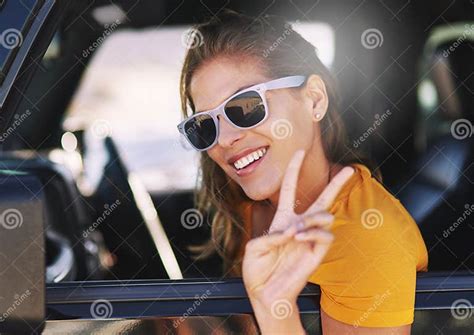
281, 51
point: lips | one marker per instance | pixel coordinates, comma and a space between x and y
248, 162
244, 153
249, 159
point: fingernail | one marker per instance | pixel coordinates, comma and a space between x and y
290, 230
300, 225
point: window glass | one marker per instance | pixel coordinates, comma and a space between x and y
14, 18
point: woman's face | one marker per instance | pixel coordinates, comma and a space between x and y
290, 124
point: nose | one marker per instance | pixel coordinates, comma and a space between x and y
228, 134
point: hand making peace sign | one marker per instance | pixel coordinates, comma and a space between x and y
278, 265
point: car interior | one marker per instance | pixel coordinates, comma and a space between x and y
425, 88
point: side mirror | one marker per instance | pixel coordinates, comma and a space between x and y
22, 254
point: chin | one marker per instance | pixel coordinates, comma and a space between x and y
260, 192
256, 196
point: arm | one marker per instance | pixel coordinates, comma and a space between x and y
332, 326
276, 267
281, 318
288, 322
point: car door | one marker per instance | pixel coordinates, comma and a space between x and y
444, 301
22, 270
203, 306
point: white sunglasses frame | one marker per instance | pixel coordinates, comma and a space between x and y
284, 82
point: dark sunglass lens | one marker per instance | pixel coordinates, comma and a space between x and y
201, 131
246, 109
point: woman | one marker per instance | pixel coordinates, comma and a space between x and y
291, 202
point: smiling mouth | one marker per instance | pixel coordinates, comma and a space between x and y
250, 159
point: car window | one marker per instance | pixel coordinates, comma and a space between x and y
15, 17
444, 94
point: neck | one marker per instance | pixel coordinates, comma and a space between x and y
313, 178
310, 186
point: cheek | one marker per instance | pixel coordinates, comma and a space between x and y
290, 123
216, 155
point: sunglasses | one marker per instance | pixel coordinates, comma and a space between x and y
244, 110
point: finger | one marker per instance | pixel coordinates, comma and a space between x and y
331, 191
279, 223
290, 182
320, 243
319, 236
319, 219
267, 242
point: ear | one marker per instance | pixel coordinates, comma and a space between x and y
316, 90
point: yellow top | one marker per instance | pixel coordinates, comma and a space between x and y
368, 276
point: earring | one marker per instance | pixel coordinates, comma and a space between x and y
318, 116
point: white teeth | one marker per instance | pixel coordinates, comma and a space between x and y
250, 158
